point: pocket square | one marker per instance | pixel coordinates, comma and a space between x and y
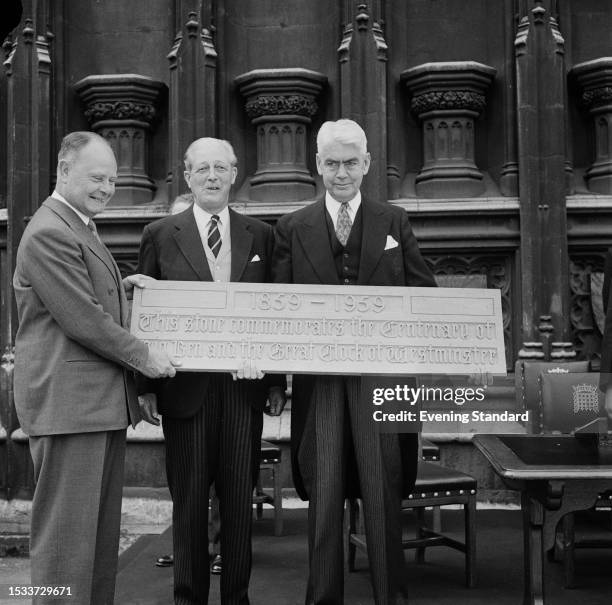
255, 259
391, 243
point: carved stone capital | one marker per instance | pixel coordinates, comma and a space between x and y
594, 79
453, 85
273, 92
276, 105
281, 103
119, 98
122, 108
447, 99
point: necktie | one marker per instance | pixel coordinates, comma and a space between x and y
344, 224
92, 227
214, 237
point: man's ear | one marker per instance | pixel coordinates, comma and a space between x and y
366, 163
186, 176
234, 174
63, 169
319, 164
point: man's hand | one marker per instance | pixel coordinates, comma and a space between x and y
276, 401
248, 371
160, 365
148, 408
135, 281
608, 401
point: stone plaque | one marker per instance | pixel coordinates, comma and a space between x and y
314, 329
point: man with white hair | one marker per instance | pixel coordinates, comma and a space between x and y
336, 450
212, 425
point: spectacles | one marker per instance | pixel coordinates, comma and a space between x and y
334, 165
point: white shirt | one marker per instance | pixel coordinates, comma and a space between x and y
203, 220
60, 198
333, 207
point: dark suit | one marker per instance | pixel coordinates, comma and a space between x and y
335, 449
74, 395
212, 425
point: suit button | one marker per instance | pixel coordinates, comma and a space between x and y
346, 281
345, 255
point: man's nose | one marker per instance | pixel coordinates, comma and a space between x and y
212, 175
341, 170
108, 187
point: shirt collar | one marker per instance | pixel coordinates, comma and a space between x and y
203, 217
333, 206
60, 198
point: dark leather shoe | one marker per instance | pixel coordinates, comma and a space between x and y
215, 566
165, 561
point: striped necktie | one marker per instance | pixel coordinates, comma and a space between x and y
92, 227
214, 237
343, 224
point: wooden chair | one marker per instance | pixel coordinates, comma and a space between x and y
270, 461
435, 486
569, 401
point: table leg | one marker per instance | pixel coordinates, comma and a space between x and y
533, 522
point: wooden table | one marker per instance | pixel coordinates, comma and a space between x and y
556, 475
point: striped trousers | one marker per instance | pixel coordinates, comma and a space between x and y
219, 444
340, 445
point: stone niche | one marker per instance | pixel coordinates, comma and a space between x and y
280, 104
447, 98
123, 108
594, 79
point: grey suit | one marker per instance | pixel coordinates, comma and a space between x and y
74, 395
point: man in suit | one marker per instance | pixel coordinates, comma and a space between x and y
74, 391
212, 424
336, 451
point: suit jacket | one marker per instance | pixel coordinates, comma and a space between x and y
73, 351
303, 255
171, 248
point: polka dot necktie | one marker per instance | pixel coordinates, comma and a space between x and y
344, 224
214, 237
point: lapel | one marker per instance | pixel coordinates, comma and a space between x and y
83, 232
376, 224
314, 237
242, 242
188, 240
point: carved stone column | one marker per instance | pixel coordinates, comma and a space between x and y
447, 98
281, 103
122, 108
595, 80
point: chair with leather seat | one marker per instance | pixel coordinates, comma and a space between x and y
270, 461
570, 401
435, 486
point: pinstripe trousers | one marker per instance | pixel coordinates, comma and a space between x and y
219, 444
340, 440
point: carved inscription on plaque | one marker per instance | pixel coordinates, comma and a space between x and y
323, 329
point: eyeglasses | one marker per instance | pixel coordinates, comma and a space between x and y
334, 165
